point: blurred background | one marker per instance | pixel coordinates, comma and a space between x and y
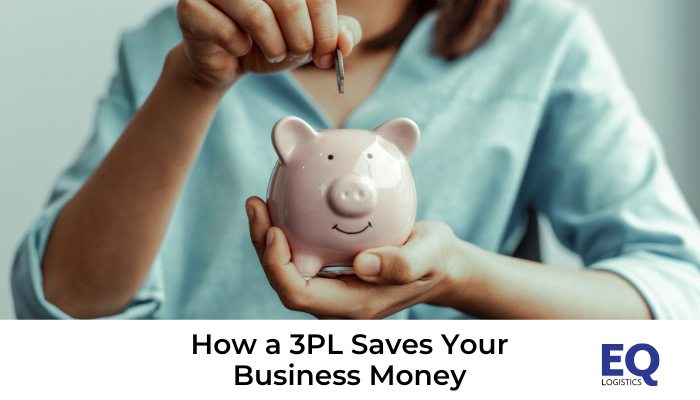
57, 58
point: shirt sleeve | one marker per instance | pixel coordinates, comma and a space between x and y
114, 113
599, 174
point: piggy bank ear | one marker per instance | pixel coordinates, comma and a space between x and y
403, 133
288, 133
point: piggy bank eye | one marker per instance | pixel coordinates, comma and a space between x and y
369, 155
330, 157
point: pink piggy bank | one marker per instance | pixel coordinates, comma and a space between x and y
338, 192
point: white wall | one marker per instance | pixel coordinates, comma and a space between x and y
56, 58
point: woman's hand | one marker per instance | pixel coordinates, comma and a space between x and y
388, 280
225, 39
435, 267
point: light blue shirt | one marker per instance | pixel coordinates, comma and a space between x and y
538, 116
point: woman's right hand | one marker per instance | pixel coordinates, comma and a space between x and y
225, 39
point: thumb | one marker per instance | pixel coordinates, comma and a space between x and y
349, 33
429, 247
390, 265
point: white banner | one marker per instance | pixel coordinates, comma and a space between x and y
348, 359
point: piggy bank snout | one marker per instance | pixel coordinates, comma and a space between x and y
352, 196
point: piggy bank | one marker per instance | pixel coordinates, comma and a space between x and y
337, 192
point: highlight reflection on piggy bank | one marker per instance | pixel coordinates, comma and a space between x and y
338, 192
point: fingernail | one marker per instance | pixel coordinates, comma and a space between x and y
276, 59
251, 213
368, 265
270, 237
326, 60
299, 57
349, 35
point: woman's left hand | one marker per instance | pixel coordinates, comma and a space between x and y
388, 279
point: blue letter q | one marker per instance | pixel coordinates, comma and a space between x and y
653, 364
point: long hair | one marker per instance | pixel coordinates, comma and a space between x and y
462, 25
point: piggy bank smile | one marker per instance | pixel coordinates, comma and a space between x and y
369, 225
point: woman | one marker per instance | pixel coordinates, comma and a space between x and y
520, 105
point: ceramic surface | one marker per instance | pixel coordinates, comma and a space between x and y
338, 192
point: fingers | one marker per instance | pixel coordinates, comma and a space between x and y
383, 285
427, 249
349, 33
274, 254
259, 224
202, 21
282, 29
283, 276
295, 22
277, 259
258, 20
295, 292
324, 18
296, 27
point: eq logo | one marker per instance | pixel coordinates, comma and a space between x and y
612, 354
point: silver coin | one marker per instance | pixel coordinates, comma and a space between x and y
333, 272
340, 71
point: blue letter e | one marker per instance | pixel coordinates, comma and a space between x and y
609, 358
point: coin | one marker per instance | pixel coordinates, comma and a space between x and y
340, 71
334, 272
